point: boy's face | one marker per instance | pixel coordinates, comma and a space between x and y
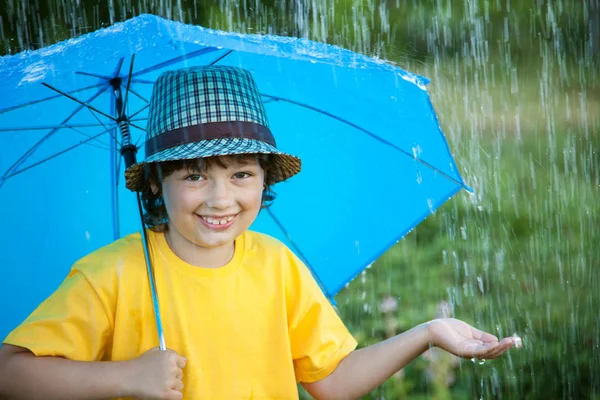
211, 207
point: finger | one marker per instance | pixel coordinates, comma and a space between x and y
477, 346
152, 350
179, 375
175, 395
178, 385
480, 350
497, 350
181, 362
503, 346
483, 336
490, 355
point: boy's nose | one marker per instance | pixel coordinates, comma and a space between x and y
220, 196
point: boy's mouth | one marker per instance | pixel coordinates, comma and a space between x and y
217, 220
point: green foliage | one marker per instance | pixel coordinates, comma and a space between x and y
392, 29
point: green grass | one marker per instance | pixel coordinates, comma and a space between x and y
521, 255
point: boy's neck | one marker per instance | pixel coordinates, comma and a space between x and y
191, 253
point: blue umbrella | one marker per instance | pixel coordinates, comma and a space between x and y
375, 161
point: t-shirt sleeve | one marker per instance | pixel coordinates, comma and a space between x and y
319, 338
71, 323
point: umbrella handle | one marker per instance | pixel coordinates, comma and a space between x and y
157, 317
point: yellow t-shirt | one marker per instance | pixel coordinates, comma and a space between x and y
249, 330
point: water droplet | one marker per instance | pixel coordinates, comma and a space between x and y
518, 341
430, 205
416, 151
476, 360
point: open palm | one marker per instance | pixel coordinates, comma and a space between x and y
461, 339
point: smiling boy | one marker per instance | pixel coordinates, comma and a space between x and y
242, 315
209, 204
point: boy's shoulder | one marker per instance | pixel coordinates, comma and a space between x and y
262, 242
123, 251
270, 250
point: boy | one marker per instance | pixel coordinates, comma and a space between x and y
243, 317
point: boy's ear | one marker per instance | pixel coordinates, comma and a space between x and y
154, 187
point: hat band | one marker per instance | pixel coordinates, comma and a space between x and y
209, 131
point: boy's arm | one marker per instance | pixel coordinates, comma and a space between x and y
365, 369
25, 376
155, 374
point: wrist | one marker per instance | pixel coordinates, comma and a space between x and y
125, 372
421, 337
429, 337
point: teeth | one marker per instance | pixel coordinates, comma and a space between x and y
222, 221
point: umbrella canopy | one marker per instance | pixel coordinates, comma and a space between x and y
375, 162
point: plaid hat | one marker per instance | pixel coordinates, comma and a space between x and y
207, 111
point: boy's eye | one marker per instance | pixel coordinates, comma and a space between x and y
241, 175
194, 177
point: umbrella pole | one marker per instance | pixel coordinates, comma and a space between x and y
159, 327
128, 151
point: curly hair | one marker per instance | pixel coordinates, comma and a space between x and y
155, 216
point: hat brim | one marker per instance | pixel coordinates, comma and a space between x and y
285, 165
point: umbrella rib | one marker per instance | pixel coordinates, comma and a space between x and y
137, 142
38, 128
222, 57
193, 54
138, 127
46, 137
17, 172
137, 112
298, 251
30, 103
138, 95
425, 163
91, 137
106, 78
118, 67
141, 136
80, 102
105, 127
128, 83
143, 81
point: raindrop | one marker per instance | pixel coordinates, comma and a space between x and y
416, 151
430, 205
480, 284
518, 341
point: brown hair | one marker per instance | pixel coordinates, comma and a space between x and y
155, 216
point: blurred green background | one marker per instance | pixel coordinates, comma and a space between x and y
516, 87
